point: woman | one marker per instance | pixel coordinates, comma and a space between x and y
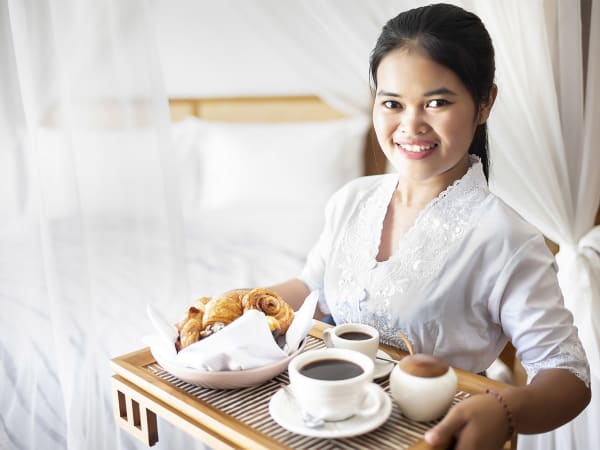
429, 251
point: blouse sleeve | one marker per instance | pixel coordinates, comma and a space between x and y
532, 314
313, 273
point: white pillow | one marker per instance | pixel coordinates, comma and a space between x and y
294, 166
294, 163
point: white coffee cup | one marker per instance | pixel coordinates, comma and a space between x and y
334, 384
423, 387
353, 336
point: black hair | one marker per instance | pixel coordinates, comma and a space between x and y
454, 38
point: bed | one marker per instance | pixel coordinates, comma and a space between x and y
252, 178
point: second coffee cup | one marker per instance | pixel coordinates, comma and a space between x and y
353, 336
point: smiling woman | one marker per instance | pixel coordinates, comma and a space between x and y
92, 226
430, 252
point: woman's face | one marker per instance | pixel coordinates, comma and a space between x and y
424, 117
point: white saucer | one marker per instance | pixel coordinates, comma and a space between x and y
287, 414
382, 368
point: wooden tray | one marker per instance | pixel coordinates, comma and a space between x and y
239, 418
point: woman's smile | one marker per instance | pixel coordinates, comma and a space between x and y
416, 149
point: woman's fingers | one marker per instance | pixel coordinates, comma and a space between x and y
477, 423
445, 431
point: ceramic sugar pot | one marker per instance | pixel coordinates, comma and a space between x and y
423, 386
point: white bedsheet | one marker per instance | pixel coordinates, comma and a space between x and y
64, 315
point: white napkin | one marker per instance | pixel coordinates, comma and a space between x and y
245, 343
302, 323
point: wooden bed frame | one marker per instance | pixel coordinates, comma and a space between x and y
273, 109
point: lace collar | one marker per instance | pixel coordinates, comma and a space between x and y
366, 286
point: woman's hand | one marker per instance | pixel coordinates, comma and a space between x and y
550, 400
477, 423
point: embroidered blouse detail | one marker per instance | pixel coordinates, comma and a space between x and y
366, 288
570, 356
468, 259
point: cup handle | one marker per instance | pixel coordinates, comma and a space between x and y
372, 391
327, 337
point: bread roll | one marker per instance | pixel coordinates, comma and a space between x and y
201, 303
223, 309
270, 303
191, 328
192, 312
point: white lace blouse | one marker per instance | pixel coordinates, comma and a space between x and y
470, 275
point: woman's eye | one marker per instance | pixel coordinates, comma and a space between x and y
391, 104
437, 103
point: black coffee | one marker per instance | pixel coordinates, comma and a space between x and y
331, 369
355, 336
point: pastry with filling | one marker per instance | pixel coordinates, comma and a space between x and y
270, 303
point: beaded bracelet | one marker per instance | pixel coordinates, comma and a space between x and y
509, 416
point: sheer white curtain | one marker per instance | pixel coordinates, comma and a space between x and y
327, 42
86, 198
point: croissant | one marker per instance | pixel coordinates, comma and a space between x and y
192, 312
191, 327
201, 303
271, 304
223, 309
236, 292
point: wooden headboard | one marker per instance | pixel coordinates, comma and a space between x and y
272, 109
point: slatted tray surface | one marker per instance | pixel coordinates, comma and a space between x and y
251, 407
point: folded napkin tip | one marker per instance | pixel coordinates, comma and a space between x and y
166, 330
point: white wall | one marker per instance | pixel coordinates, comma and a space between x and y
207, 50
